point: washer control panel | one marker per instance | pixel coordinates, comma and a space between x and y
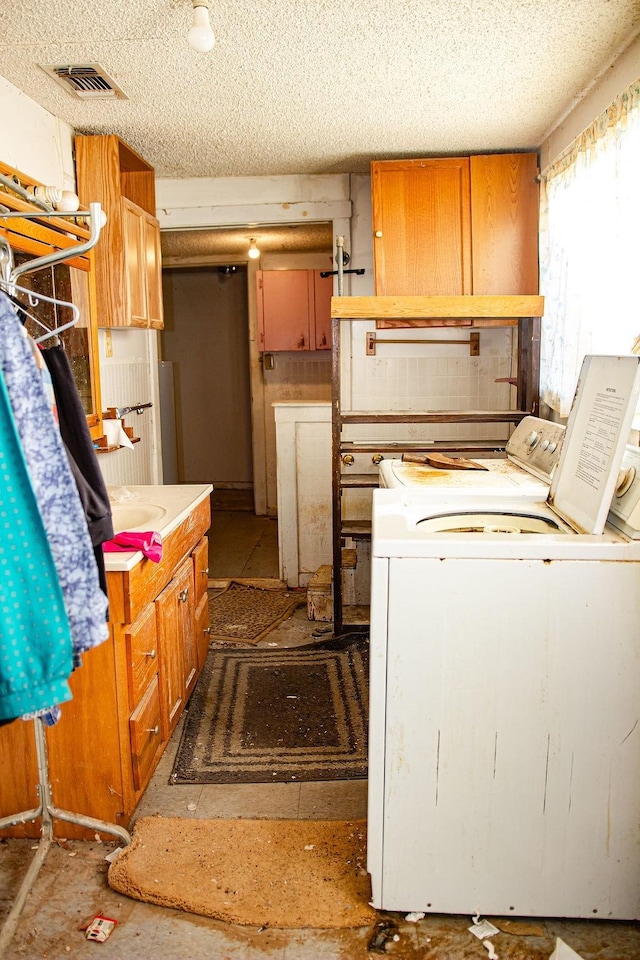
535, 445
625, 506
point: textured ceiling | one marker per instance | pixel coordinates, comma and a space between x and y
317, 86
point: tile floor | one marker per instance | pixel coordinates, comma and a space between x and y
240, 543
72, 884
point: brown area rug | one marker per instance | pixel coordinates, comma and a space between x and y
246, 613
263, 716
267, 873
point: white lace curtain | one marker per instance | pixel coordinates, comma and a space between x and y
589, 249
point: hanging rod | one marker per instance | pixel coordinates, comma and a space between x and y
95, 215
21, 192
332, 273
473, 343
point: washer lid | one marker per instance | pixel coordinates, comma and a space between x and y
597, 432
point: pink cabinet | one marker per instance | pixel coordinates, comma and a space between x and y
294, 310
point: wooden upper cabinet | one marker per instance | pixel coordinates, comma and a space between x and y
504, 223
127, 256
294, 310
452, 226
421, 227
322, 293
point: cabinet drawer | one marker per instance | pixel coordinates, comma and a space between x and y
142, 653
201, 568
144, 731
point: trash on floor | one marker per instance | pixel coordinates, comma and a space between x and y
110, 857
483, 929
100, 928
384, 932
564, 952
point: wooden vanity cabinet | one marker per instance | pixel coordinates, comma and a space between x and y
456, 226
128, 261
127, 695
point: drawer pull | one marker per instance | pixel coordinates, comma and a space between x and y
183, 595
151, 653
206, 570
154, 730
206, 629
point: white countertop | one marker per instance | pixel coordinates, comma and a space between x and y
169, 505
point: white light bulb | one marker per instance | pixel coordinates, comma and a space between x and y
200, 35
253, 253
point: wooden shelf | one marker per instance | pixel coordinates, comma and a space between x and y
403, 311
436, 416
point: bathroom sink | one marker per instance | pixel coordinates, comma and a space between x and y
136, 516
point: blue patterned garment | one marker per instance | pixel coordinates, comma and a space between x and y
35, 638
54, 487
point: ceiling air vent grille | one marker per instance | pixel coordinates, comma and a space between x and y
88, 81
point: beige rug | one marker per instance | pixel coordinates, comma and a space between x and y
244, 613
265, 873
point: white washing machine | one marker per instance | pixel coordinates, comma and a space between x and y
526, 470
504, 754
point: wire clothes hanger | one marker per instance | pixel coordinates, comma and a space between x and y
34, 298
10, 273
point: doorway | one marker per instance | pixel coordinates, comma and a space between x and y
206, 342
206, 338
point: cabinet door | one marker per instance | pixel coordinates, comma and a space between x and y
504, 223
422, 227
285, 305
176, 645
133, 238
322, 293
153, 272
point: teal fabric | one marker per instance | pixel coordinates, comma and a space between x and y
35, 638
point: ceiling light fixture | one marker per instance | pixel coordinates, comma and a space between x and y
200, 35
253, 251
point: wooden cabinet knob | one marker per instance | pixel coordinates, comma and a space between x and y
154, 730
152, 653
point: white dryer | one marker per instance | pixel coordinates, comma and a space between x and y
504, 755
531, 455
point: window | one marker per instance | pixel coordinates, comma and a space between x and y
589, 219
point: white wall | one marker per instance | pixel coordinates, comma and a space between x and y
127, 376
34, 141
